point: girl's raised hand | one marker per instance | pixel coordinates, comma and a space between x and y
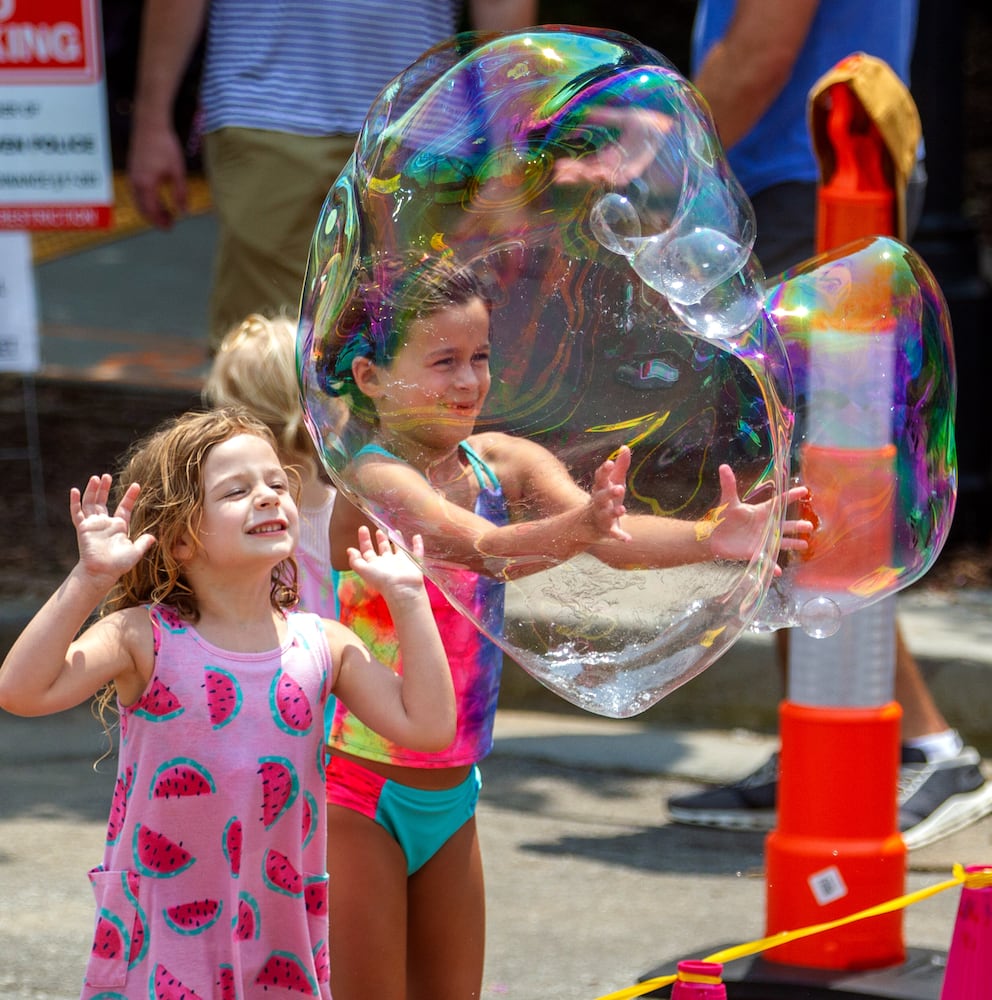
738, 527
106, 550
384, 566
608, 489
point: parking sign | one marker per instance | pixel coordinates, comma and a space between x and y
55, 167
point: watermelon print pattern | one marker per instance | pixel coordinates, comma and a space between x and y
311, 813
224, 696
119, 934
139, 938
280, 875
280, 787
232, 842
226, 982
156, 856
248, 923
181, 776
111, 940
118, 806
158, 703
290, 706
194, 918
322, 962
286, 971
212, 883
165, 986
315, 896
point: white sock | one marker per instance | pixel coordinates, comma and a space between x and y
938, 746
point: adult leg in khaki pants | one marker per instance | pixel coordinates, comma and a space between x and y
267, 190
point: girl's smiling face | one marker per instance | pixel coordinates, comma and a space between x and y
436, 384
248, 514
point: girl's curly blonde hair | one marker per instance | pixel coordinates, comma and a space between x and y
168, 465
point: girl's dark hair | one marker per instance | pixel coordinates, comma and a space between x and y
388, 297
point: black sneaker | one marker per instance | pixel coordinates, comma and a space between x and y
748, 804
937, 798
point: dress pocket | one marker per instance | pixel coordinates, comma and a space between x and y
114, 929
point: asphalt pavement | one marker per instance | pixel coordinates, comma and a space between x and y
590, 887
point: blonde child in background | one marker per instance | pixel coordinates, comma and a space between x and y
213, 879
255, 367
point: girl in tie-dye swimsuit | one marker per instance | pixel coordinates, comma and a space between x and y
422, 820
402, 831
413, 364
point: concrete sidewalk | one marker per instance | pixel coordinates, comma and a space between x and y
131, 310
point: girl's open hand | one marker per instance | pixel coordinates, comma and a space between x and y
738, 527
106, 550
387, 568
608, 490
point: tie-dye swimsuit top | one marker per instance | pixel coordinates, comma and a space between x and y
475, 660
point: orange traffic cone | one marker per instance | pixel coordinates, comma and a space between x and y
838, 850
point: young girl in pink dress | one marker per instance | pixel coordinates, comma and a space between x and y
213, 881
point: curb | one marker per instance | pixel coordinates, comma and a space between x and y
949, 632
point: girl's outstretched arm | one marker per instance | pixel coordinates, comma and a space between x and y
415, 709
46, 670
555, 519
733, 530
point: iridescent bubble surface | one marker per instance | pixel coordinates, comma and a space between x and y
868, 336
578, 176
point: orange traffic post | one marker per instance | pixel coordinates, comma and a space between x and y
836, 848
857, 200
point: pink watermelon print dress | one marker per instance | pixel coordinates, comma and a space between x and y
213, 883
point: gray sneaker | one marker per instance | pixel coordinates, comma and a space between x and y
748, 804
938, 798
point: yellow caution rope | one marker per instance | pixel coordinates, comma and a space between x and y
978, 879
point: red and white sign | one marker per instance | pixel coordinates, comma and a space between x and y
50, 41
55, 167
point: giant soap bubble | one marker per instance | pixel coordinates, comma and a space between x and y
869, 342
576, 177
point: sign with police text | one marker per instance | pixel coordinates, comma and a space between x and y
55, 169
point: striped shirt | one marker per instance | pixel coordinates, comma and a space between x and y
311, 67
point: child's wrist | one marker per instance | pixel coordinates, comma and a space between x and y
98, 584
703, 530
407, 595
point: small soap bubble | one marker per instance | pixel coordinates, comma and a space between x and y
820, 617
